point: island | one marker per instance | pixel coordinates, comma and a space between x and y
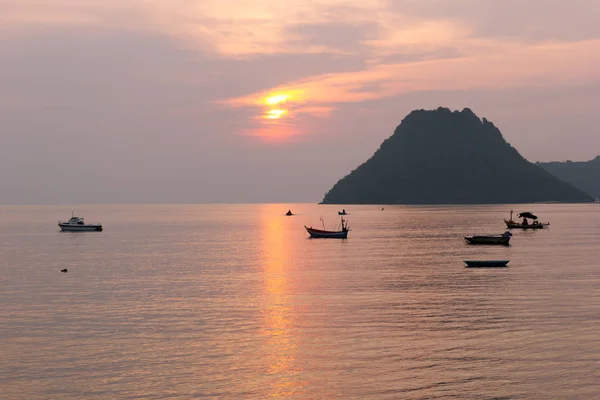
449, 157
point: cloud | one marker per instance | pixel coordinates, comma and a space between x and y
236, 29
547, 20
247, 27
515, 66
340, 37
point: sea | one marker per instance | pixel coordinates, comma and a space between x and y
237, 302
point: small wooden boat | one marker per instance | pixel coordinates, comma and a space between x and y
343, 212
486, 263
325, 234
524, 224
502, 239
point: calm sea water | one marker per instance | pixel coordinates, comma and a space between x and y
235, 302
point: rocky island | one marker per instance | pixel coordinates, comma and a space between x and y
449, 157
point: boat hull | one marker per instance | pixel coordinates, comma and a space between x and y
516, 225
319, 234
80, 228
502, 240
486, 263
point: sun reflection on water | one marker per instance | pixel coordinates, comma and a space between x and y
278, 311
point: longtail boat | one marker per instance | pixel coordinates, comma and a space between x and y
325, 234
502, 239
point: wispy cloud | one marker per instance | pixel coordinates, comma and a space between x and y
512, 67
237, 28
402, 45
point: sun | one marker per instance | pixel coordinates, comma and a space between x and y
277, 99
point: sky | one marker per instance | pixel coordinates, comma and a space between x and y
199, 101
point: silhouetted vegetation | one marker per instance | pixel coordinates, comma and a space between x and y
445, 157
584, 175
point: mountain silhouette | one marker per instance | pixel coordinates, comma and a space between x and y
449, 157
584, 175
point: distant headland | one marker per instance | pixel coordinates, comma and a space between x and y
584, 175
449, 157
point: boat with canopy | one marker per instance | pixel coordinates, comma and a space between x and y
525, 224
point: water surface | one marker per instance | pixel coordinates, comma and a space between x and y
235, 302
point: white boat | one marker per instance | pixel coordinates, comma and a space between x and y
77, 224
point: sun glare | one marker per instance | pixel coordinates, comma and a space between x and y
277, 99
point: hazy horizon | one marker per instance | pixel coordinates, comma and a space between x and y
196, 102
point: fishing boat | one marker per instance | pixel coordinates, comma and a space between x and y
524, 224
343, 212
325, 234
289, 213
486, 263
77, 224
502, 239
